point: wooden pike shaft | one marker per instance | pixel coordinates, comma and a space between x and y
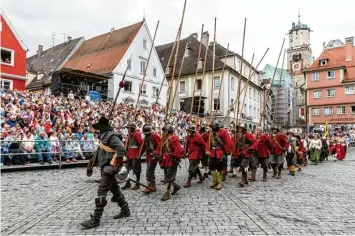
247, 84
220, 87
175, 60
203, 78
197, 62
236, 113
167, 66
146, 68
237, 100
278, 89
178, 79
272, 80
213, 65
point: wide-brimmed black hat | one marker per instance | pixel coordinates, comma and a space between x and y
102, 124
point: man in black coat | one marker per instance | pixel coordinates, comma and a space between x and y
110, 147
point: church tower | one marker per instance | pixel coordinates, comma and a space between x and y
299, 57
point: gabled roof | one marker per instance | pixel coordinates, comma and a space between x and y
336, 58
101, 54
2, 13
49, 61
191, 61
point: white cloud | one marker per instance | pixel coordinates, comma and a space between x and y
267, 21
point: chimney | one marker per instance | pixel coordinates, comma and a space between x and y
69, 39
205, 37
195, 35
349, 43
40, 50
323, 45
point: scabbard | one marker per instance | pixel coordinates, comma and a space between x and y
136, 182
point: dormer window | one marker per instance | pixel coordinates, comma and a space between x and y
168, 70
200, 63
187, 51
323, 62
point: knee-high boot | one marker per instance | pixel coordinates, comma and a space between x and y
265, 174
279, 172
219, 180
125, 212
138, 178
214, 178
166, 195
100, 204
274, 171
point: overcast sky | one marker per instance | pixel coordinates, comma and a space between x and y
268, 21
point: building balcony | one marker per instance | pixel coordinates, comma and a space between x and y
247, 117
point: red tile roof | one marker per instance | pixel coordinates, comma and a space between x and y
336, 58
101, 54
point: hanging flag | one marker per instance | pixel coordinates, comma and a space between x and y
326, 129
289, 110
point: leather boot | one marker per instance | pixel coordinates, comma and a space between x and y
166, 196
274, 172
187, 184
176, 188
279, 173
127, 185
138, 178
152, 188
202, 178
219, 180
264, 175
224, 174
100, 204
125, 212
244, 179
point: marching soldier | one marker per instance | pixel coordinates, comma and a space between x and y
262, 153
150, 147
291, 156
279, 146
134, 144
171, 152
110, 148
204, 160
245, 146
195, 147
220, 144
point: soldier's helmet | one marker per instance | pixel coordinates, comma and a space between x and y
147, 129
216, 124
131, 125
169, 128
276, 128
191, 128
243, 126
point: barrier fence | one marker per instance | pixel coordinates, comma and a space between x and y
63, 150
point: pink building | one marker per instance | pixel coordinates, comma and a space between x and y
331, 85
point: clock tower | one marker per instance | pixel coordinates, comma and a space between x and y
299, 57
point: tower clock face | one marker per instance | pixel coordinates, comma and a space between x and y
297, 68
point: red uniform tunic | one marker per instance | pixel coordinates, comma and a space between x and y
264, 146
134, 144
279, 144
155, 143
174, 151
225, 140
244, 142
196, 146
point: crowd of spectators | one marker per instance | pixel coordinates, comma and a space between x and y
43, 128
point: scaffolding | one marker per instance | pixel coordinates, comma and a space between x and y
283, 98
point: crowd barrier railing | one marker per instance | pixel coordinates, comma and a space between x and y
63, 151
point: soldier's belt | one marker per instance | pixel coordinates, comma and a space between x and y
107, 149
133, 147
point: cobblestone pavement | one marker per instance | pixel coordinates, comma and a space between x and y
319, 200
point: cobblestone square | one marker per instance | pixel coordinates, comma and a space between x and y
320, 200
